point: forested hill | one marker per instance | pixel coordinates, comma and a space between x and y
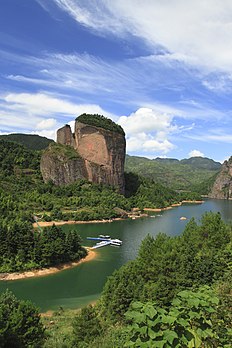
30, 141
195, 162
23, 194
15, 157
21, 182
202, 163
195, 173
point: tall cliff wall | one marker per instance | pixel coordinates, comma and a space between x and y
100, 156
222, 188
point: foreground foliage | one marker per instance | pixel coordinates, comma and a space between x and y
188, 322
166, 265
20, 323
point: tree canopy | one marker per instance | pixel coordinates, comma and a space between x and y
100, 121
20, 323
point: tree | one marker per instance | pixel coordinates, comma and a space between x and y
86, 326
20, 324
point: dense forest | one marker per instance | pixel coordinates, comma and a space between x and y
22, 248
100, 121
23, 195
193, 174
22, 189
176, 293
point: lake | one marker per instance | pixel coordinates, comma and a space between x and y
83, 284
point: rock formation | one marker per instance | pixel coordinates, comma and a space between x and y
222, 188
93, 153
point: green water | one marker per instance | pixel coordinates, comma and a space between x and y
78, 286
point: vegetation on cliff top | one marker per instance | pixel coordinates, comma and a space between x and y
67, 152
100, 121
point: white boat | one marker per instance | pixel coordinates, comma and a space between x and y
115, 242
101, 244
105, 241
103, 236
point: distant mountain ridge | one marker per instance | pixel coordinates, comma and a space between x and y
202, 163
30, 141
196, 162
187, 174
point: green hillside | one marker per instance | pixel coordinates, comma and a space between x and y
23, 194
188, 174
202, 163
31, 142
175, 293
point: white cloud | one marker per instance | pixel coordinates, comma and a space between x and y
46, 104
196, 153
213, 135
40, 113
198, 32
104, 17
46, 124
50, 134
43, 104
133, 82
145, 119
148, 130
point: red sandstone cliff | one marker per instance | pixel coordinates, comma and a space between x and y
100, 157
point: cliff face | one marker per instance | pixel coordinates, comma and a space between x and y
100, 157
62, 165
222, 188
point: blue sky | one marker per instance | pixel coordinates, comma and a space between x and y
162, 69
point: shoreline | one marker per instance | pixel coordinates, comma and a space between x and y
47, 271
173, 206
79, 222
73, 222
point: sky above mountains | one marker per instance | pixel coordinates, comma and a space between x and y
161, 69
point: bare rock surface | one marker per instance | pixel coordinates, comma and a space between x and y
92, 153
222, 188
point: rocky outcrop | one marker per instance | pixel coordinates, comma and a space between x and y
65, 136
222, 188
62, 165
100, 156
